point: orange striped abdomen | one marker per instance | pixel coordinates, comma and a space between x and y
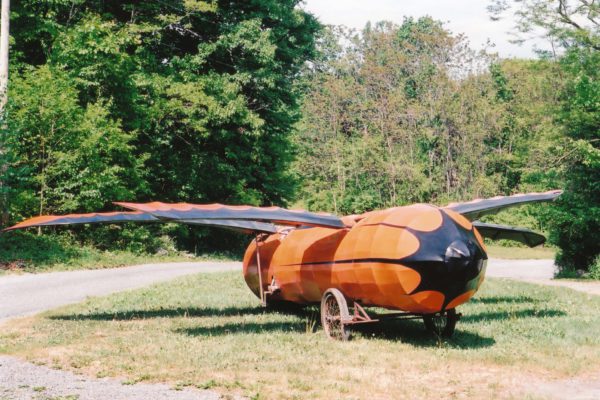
395, 259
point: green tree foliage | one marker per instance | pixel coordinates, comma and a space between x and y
170, 100
200, 101
573, 25
576, 221
66, 157
410, 114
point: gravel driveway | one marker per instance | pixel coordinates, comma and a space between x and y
521, 269
24, 381
537, 271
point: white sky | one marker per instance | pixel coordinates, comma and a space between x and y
461, 16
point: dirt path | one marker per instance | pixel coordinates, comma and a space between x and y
521, 269
23, 381
572, 389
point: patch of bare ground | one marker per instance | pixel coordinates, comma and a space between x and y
576, 388
21, 380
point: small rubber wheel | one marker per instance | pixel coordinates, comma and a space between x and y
442, 325
334, 314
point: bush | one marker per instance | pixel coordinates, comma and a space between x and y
595, 269
83, 247
28, 249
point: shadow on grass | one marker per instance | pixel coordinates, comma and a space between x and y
503, 299
183, 312
180, 312
411, 332
242, 328
508, 315
414, 332
405, 331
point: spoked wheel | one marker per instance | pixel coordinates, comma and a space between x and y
441, 324
334, 314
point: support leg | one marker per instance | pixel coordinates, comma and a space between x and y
263, 300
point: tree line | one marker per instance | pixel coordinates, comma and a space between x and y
171, 100
256, 102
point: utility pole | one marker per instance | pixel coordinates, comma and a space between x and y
4, 33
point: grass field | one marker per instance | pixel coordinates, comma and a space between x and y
109, 259
208, 331
521, 253
28, 252
101, 260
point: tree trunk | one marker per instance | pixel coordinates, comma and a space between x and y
4, 34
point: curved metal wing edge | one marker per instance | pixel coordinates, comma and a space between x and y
246, 226
498, 232
74, 219
274, 215
476, 208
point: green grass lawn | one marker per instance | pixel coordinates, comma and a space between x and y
101, 259
208, 331
95, 259
521, 253
28, 252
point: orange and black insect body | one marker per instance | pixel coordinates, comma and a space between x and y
417, 258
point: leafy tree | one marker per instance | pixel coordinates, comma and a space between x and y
575, 26
407, 114
576, 221
65, 157
187, 100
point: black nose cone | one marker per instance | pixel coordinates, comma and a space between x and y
461, 259
450, 260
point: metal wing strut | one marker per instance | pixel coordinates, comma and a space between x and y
497, 232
